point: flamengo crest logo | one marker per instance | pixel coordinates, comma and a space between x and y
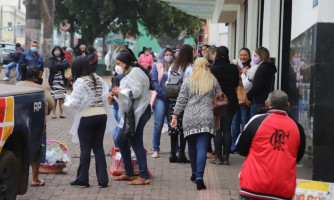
278, 138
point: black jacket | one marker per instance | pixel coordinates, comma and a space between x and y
228, 78
56, 65
263, 83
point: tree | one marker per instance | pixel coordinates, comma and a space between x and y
48, 19
97, 18
33, 21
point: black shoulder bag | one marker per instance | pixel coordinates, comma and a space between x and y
129, 126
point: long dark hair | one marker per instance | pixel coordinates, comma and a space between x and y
128, 57
185, 58
80, 67
28, 73
249, 54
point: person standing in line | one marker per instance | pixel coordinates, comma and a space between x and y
93, 118
241, 115
210, 55
16, 57
138, 81
58, 63
227, 75
32, 57
182, 65
204, 47
195, 99
273, 145
146, 59
159, 74
68, 55
32, 77
115, 82
263, 82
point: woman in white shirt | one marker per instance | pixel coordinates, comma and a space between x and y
89, 99
138, 81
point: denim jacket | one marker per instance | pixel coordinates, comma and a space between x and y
30, 60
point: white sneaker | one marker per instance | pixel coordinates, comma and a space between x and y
5, 79
164, 128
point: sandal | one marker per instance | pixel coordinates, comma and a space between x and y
139, 181
54, 117
124, 177
41, 183
62, 116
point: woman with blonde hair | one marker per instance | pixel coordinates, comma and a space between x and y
195, 99
210, 54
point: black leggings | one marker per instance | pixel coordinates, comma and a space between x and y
173, 142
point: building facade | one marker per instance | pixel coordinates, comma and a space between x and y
300, 37
12, 12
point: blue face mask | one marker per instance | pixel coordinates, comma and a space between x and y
56, 53
33, 49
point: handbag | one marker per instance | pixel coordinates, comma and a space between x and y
242, 96
129, 126
68, 74
173, 84
220, 106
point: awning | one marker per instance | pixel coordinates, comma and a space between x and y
199, 8
218, 11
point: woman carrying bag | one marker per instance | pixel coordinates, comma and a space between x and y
136, 83
195, 99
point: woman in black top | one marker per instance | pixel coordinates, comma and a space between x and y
228, 77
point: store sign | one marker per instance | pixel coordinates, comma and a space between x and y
313, 190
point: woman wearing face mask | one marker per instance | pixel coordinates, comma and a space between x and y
160, 105
263, 81
32, 77
58, 63
137, 80
241, 115
146, 59
210, 54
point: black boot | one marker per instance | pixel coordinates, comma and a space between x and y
182, 158
173, 158
193, 177
200, 184
226, 159
173, 140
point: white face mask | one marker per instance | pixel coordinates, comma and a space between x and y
118, 69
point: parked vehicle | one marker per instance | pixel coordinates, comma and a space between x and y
6, 49
22, 115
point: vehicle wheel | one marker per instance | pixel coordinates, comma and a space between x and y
8, 175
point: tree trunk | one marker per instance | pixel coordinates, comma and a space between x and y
48, 31
33, 21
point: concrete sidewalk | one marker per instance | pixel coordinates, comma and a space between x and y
171, 181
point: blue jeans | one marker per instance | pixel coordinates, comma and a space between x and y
138, 146
160, 112
223, 135
253, 110
10, 66
197, 149
117, 115
91, 133
241, 117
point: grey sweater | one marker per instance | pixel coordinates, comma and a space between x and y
198, 115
